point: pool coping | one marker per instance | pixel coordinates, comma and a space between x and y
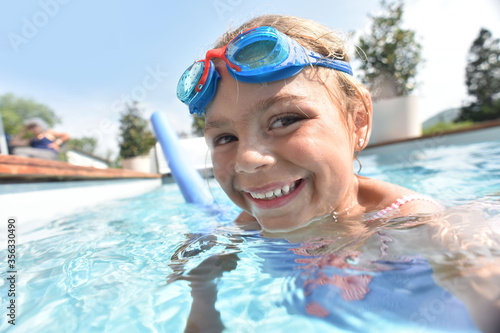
409, 149
478, 126
27, 169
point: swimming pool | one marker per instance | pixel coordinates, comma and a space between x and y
136, 264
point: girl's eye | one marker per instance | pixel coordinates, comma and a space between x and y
224, 139
284, 121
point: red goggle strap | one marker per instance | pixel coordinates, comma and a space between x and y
214, 53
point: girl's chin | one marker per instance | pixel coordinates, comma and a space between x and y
283, 225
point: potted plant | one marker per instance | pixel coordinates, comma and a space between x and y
389, 62
136, 140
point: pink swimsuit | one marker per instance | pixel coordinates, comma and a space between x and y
401, 201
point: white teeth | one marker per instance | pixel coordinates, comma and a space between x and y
285, 189
277, 193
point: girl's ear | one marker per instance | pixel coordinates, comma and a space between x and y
363, 120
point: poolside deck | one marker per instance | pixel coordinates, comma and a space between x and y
26, 169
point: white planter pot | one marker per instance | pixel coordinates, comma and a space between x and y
396, 119
138, 163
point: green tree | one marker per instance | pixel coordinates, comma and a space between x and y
135, 137
482, 79
85, 144
391, 54
16, 111
198, 125
115, 161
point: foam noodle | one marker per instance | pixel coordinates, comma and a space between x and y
193, 188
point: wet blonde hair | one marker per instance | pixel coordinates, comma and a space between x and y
323, 40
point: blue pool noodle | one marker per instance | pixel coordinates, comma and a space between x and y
193, 188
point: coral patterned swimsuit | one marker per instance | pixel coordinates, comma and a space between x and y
344, 288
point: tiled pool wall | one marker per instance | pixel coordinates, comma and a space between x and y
33, 204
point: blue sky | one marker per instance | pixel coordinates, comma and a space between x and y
84, 58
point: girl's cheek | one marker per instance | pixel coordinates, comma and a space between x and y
222, 169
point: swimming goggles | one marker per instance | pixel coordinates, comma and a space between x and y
260, 54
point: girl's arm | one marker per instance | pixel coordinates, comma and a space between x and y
461, 250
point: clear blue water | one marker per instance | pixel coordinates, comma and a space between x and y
136, 265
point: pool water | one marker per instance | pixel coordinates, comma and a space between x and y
152, 263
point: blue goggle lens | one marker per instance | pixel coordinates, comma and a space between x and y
260, 49
187, 83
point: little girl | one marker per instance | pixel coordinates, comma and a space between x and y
284, 121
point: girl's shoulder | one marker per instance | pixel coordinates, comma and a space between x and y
383, 197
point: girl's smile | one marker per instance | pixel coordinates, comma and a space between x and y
273, 196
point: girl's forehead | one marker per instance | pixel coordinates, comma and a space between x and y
236, 97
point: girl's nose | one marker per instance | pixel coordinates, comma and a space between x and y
251, 158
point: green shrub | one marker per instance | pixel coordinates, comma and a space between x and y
135, 137
447, 127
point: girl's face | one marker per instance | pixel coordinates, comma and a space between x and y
281, 150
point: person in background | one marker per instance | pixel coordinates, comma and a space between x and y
38, 142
